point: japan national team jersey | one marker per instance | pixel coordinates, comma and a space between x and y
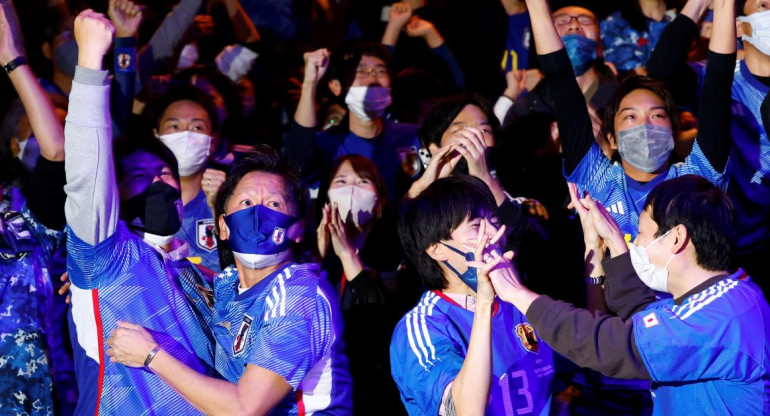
288, 323
711, 354
25, 299
622, 196
124, 278
750, 153
198, 230
430, 343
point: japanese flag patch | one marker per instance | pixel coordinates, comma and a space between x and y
650, 320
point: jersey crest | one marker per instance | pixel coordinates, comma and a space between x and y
204, 234
278, 235
243, 332
527, 337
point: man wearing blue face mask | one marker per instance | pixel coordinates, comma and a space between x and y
750, 147
706, 350
579, 29
445, 351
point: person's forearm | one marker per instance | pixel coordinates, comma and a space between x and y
470, 389
92, 202
351, 265
547, 40
668, 61
305, 114
45, 125
594, 291
723, 29
244, 28
390, 36
514, 7
122, 97
696, 9
497, 189
166, 38
209, 395
599, 342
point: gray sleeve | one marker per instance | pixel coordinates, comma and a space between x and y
165, 39
92, 202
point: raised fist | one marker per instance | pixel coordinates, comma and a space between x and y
126, 16
93, 33
316, 63
11, 44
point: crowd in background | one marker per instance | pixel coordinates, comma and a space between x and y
132, 128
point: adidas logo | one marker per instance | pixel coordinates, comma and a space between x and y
616, 208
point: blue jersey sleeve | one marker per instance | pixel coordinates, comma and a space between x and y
296, 332
707, 337
424, 360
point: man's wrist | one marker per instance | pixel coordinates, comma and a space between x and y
90, 60
14, 63
151, 356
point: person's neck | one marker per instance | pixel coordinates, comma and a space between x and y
688, 277
587, 79
250, 277
640, 175
63, 81
757, 62
365, 129
454, 284
654, 9
191, 186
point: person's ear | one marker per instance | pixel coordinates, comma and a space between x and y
45, 48
432, 148
224, 232
682, 238
296, 231
437, 252
613, 141
335, 87
740, 26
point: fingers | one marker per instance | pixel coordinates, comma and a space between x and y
498, 235
212, 180
128, 325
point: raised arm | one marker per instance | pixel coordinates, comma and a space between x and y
126, 16
424, 29
245, 31
92, 199
42, 116
575, 129
400, 13
714, 108
668, 62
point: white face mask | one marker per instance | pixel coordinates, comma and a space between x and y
354, 203
157, 240
191, 150
656, 278
760, 30
368, 102
258, 261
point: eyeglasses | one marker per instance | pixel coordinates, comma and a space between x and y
364, 72
565, 19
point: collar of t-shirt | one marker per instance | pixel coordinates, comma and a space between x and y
181, 250
701, 287
465, 301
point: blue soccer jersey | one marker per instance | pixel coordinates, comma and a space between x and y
198, 230
430, 343
622, 196
709, 355
124, 278
288, 323
25, 295
750, 153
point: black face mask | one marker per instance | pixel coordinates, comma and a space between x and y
157, 210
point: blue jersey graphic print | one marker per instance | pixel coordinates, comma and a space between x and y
25, 295
429, 346
124, 278
198, 230
288, 323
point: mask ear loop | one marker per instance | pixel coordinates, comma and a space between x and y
467, 256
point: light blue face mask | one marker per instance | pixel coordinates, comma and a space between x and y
646, 147
581, 51
760, 30
469, 277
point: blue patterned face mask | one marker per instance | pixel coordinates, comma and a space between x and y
469, 277
258, 236
581, 51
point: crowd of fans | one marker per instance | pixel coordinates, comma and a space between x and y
358, 207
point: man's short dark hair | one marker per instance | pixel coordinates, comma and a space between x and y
706, 212
262, 159
447, 110
434, 214
182, 93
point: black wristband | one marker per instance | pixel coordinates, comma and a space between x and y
14, 63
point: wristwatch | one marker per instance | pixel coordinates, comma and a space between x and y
14, 63
598, 280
